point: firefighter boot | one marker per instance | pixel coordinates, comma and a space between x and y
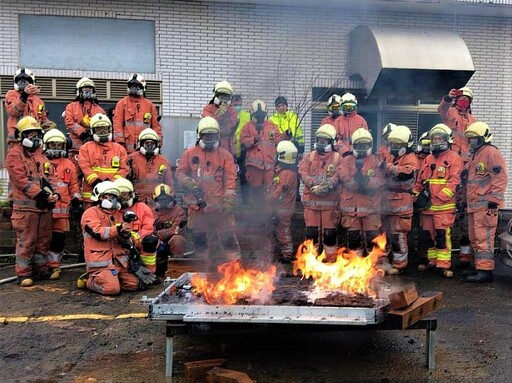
481, 276
55, 273
25, 281
81, 282
446, 273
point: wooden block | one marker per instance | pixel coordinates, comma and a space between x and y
178, 266
403, 298
196, 371
222, 375
403, 318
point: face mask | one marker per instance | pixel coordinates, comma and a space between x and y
398, 152
164, 203
128, 203
149, 149
259, 118
102, 138
208, 145
335, 113
135, 91
475, 143
238, 108
110, 204
22, 84
87, 95
55, 153
462, 104
322, 148
31, 143
362, 152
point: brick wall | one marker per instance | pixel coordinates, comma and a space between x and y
269, 50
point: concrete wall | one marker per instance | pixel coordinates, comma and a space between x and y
269, 50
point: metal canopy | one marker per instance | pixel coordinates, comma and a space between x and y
405, 63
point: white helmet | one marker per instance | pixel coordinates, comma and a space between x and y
136, 85
54, 136
326, 131
82, 83
424, 143
362, 142
148, 148
387, 129
210, 127
23, 74
445, 132
105, 187
100, 120
287, 152
400, 140
348, 103
466, 91
125, 186
223, 87
334, 104
258, 105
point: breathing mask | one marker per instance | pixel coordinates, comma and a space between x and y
110, 203
149, 148
209, 141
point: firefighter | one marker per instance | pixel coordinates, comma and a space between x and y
360, 200
106, 242
78, 115
435, 194
281, 196
142, 237
134, 113
288, 123
455, 112
487, 182
400, 177
422, 149
383, 151
333, 109
208, 174
148, 167
260, 137
101, 159
240, 152
220, 109
62, 174
22, 101
348, 123
170, 222
33, 200
321, 192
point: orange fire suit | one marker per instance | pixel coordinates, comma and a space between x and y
213, 174
346, 125
360, 200
62, 174
228, 122
171, 236
106, 260
442, 174
397, 209
147, 173
260, 159
487, 182
458, 122
320, 208
77, 117
329, 120
101, 160
131, 116
16, 109
31, 224
282, 194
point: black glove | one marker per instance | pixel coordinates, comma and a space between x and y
183, 223
24, 96
96, 182
85, 136
76, 208
492, 205
42, 200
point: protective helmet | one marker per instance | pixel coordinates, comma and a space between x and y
362, 142
162, 189
209, 133
445, 132
54, 136
326, 131
100, 120
136, 85
149, 148
281, 100
258, 105
348, 103
25, 124
23, 74
105, 187
82, 83
163, 196
478, 133
287, 152
387, 129
424, 143
334, 104
125, 186
466, 91
208, 125
223, 87
400, 140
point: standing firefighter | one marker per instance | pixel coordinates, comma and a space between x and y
101, 159
78, 115
106, 242
134, 113
435, 191
226, 115
348, 123
282, 194
149, 167
62, 174
360, 201
487, 182
259, 137
333, 109
321, 192
170, 222
208, 174
33, 200
400, 176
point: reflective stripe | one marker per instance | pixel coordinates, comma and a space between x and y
448, 192
149, 259
90, 177
437, 181
106, 233
444, 255
87, 195
61, 210
130, 124
484, 255
446, 206
480, 182
206, 178
432, 254
320, 203
99, 264
398, 209
24, 203
105, 170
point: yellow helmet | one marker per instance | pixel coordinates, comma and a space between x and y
443, 131
387, 129
477, 134
84, 81
223, 87
208, 125
424, 143
100, 119
400, 134
326, 131
55, 135
466, 91
161, 190
148, 134
287, 152
105, 187
25, 124
362, 142
124, 185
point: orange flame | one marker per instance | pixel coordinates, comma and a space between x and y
235, 283
350, 273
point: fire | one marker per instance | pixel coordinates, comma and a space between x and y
235, 283
350, 273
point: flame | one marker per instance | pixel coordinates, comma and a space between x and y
350, 273
235, 283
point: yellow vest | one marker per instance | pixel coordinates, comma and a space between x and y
289, 121
243, 118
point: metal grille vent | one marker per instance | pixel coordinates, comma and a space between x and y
409, 119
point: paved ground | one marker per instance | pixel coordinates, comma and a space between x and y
474, 340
